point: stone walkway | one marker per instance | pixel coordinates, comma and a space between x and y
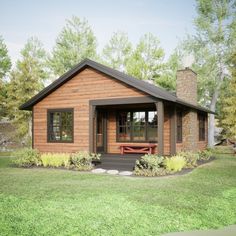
112, 172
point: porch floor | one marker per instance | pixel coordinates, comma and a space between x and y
118, 162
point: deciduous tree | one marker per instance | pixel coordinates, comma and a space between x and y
211, 46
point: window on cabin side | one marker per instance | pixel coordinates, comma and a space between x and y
179, 127
202, 128
60, 125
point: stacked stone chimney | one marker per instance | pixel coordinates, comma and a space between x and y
186, 85
186, 90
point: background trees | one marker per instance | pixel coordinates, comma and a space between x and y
26, 79
75, 42
117, 51
228, 119
147, 59
5, 66
210, 46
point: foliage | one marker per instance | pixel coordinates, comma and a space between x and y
211, 46
175, 163
26, 157
117, 52
229, 104
5, 66
55, 159
206, 154
146, 61
75, 43
167, 78
150, 165
191, 158
83, 160
25, 81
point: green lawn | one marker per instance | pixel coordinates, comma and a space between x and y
59, 202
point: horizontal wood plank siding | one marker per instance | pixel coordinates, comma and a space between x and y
76, 93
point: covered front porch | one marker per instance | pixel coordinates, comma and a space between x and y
131, 121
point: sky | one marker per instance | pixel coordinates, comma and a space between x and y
169, 20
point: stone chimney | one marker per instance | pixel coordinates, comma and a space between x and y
186, 85
186, 89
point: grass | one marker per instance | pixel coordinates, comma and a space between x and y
60, 202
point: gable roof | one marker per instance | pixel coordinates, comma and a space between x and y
143, 86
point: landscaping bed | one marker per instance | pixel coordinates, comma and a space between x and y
149, 165
153, 165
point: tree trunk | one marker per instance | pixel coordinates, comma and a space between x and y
211, 126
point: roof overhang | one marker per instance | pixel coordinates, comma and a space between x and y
152, 91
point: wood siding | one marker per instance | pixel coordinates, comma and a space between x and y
76, 93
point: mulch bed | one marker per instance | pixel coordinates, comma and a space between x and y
182, 172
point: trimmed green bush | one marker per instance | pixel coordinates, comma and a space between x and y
83, 160
55, 159
191, 158
149, 165
27, 157
175, 163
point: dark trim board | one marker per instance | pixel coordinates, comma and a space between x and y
92, 110
32, 127
173, 131
122, 101
143, 86
160, 125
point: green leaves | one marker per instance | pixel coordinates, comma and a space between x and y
147, 59
118, 51
26, 79
75, 43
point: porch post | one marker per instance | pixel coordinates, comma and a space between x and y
92, 127
173, 121
160, 126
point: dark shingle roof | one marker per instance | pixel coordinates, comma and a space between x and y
139, 84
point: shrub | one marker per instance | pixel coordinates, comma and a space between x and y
83, 160
206, 154
191, 158
149, 165
175, 163
27, 157
55, 159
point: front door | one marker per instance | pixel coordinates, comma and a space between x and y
101, 132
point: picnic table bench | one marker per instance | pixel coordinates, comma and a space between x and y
137, 148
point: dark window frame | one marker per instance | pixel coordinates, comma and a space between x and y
201, 127
60, 110
146, 140
179, 126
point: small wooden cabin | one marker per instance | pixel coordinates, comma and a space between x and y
98, 109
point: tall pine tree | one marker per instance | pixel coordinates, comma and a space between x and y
27, 79
5, 66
